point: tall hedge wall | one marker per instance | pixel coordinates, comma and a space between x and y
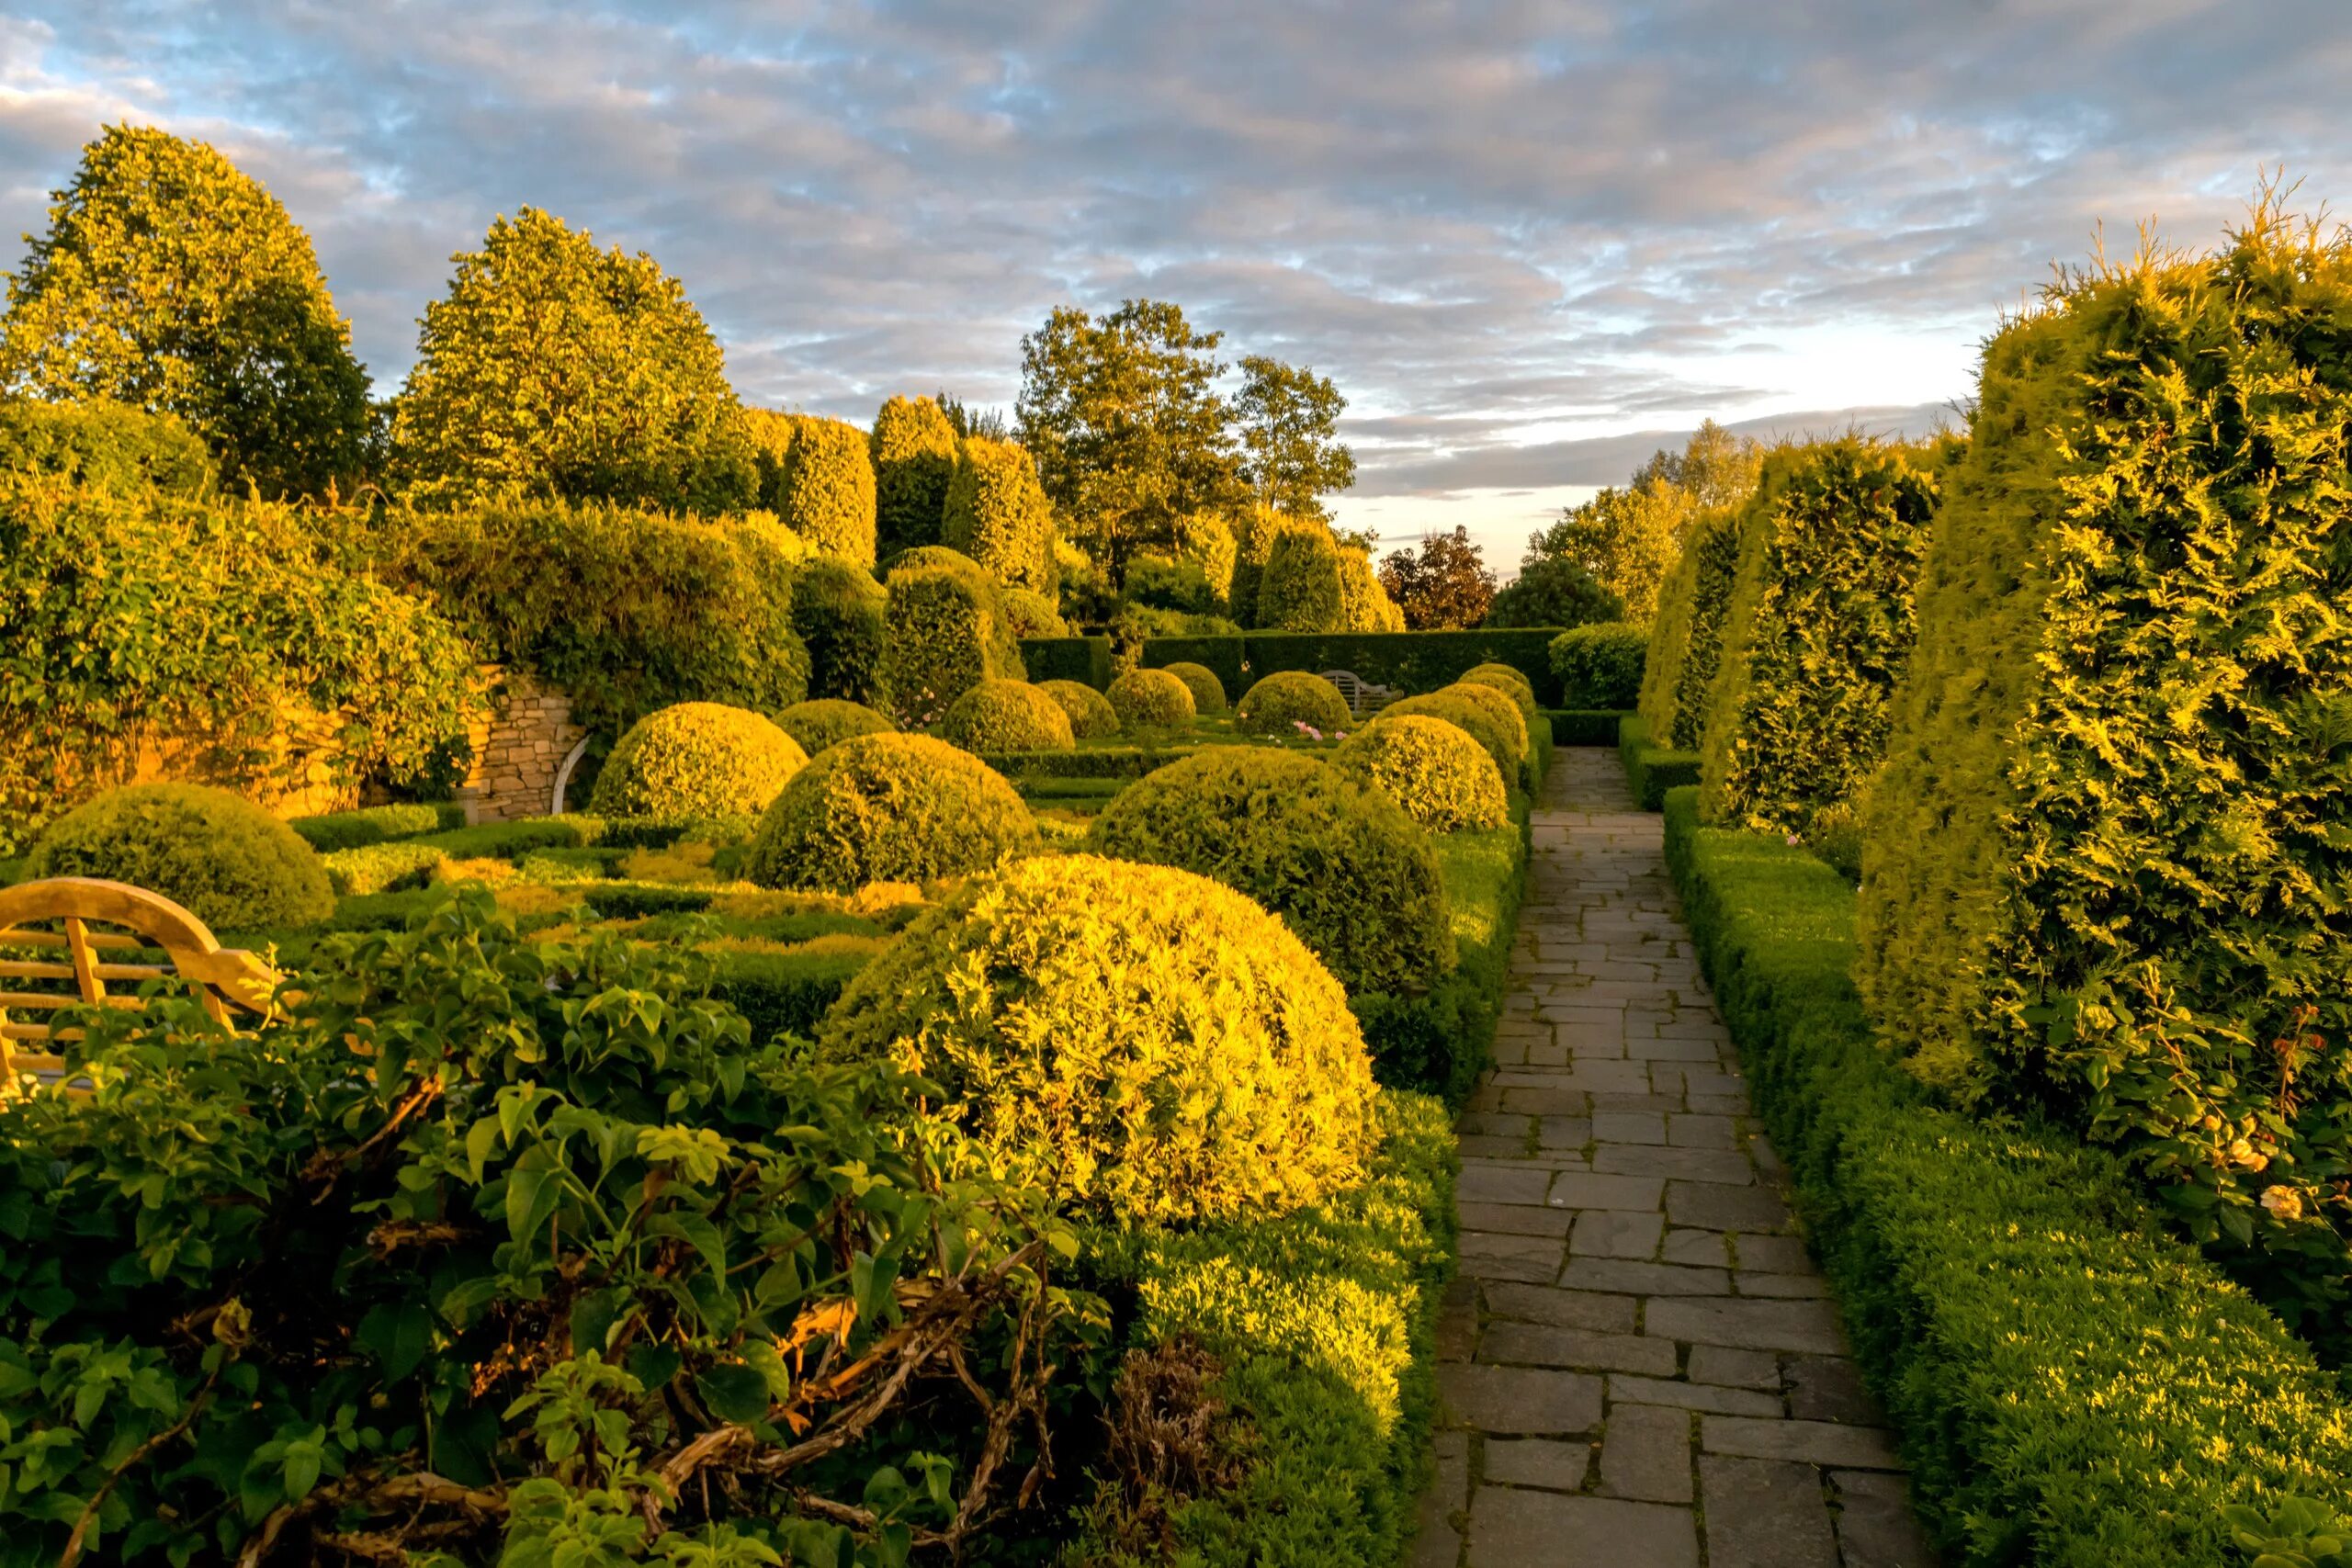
1819, 625
998, 515
913, 449
1411, 662
1686, 640
825, 492
2108, 866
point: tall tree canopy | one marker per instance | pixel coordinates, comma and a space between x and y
1289, 418
554, 368
172, 281
1442, 586
1628, 538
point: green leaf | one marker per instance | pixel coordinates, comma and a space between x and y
398, 1333
734, 1392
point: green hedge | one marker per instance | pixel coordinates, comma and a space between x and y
1086, 660
1096, 762
1584, 726
1413, 661
2072, 1388
376, 825
104, 445
1651, 771
782, 993
1600, 665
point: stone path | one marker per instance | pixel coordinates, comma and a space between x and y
1640, 1365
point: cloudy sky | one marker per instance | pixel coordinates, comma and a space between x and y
1530, 240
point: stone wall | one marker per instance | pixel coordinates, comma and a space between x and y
521, 746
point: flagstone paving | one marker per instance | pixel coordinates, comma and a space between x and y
1640, 1366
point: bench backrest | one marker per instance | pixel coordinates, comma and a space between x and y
1362, 696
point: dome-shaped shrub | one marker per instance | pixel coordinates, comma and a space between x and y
232, 864
1157, 1047
887, 808
1288, 698
1436, 772
1505, 708
1152, 699
1007, 715
1090, 713
828, 721
1355, 879
1504, 678
696, 760
1032, 614
1477, 718
1208, 692
825, 494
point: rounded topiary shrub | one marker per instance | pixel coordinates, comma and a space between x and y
1152, 699
1478, 718
998, 515
1032, 614
1090, 713
1007, 715
1502, 705
1149, 1043
1437, 773
826, 491
887, 808
1288, 698
1600, 666
1504, 678
1208, 692
231, 863
696, 760
828, 721
1350, 871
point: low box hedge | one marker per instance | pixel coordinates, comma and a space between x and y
1585, 726
1413, 661
1088, 762
1652, 771
2073, 1385
376, 825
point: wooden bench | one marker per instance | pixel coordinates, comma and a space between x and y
1362, 696
63, 941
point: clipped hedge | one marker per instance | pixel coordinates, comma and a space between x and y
1299, 588
229, 863
825, 491
1436, 772
998, 515
1600, 666
839, 613
1091, 717
946, 633
887, 808
1686, 641
1280, 703
376, 825
1083, 660
828, 721
1411, 662
1150, 1045
2072, 1387
1584, 726
1007, 715
2104, 868
1152, 699
913, 450
1651, 771
1820, 622
1508, 749
104, 445
1208, 692
1093, 763
696, 760
1031, 615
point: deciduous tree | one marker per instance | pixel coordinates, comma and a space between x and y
1444, 585
1289, 420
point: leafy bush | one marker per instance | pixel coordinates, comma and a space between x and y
1553, 591
1007, 715
838, 611
389, 867
1300, 590
1031, 615
1208, 692
1091, 716
825, 494
913, 451
1152, 699
1149, 1043
1686, 640
479, 1239
230, 862
1206, 542
828, 721
1820, 622
1255, 534
1412, 661
1346, 869
104, 444
999, 516
1283, 701
1475, 718
1652, 770
2062, 1374
1157, 583
696, 760
947, 633
2104, 868
375, 825
1506, 678
1364, 603
1436, 772
887, 808
1600, 666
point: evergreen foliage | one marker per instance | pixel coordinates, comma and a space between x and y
825, 492
887, 808
1150, 699
1436, 772
1686, 641
229, 863
1208, 692
1007, 715
838, 614
913, 450
828, 721
696, 760
1091, 713
103, 445
1600, 665
997, 514
945, 632
1283, 701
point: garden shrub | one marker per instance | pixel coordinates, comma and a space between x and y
1031, 615
1478, 718
1158, 582
2104, 870
545, 1190
1820, 622
391, 867
1686, 640
1255, 534
1600, 666
1208, 692
1506, 678
825, 494
1091, 717
1300, 589
1652, 770
1206, 541
1283, 701
375, 825
947, 633
1150, 699
695, 760
1007, 715
887, 808
1147, 1042
1346, 869
913, 449
104, 445
998, 515
1505, 712
828, 721
228, 862
1365, 605
1436, 772
838, 611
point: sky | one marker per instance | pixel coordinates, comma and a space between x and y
1530, 242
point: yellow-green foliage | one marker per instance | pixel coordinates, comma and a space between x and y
826, 491
1364, 603
1435, 771
234, 865
104, 444
1090, 713
1510, 684
1599, 665
887, 808
1819, 625
1150, 699
767, 435
1686, 642
1478, 718
696, 760
1278, 703
997, 515
1206, 541
1503, 714
1141, 1040
944, 633
1032, 614
828, 721
913, 449
1254, 535
2105, 863
1301, 589
1007, 715
1349, 871
1208, 692
837, 611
